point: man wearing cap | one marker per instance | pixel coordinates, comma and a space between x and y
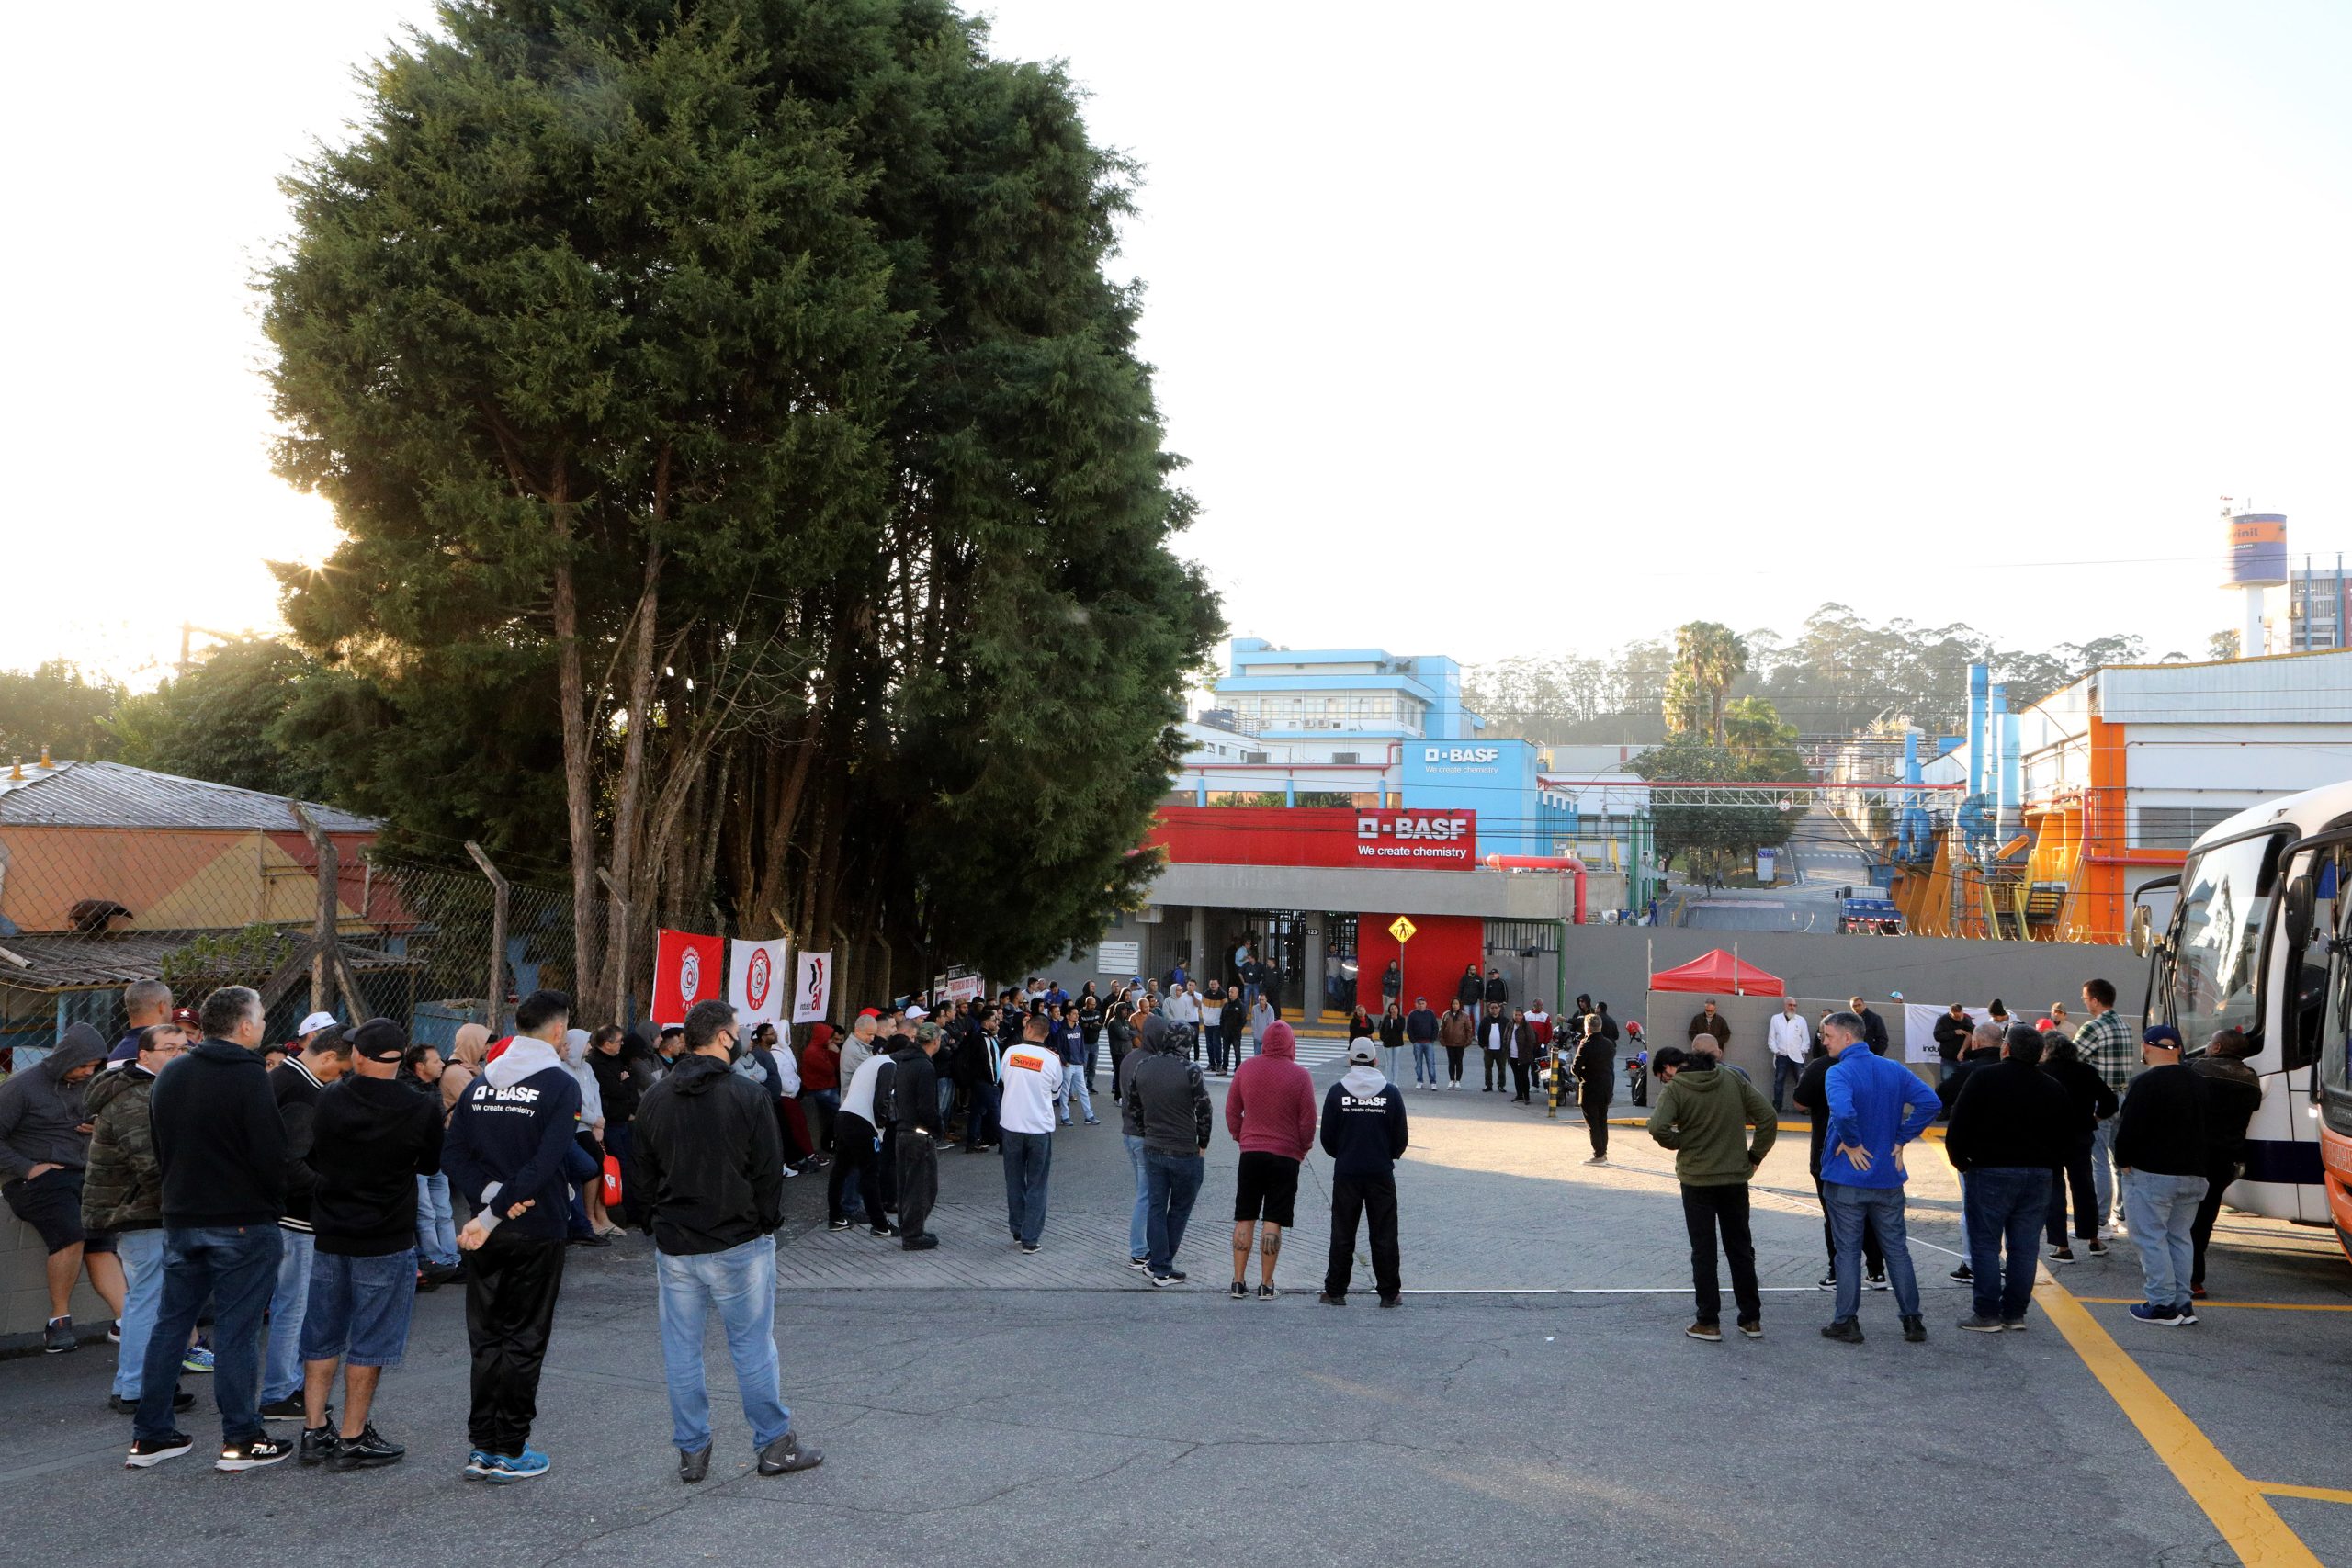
371, 1138
2160, 1170
1364, 1133
321, 1054
915, 1113
1421, 1033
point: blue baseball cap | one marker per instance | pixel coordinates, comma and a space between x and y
2162, 1034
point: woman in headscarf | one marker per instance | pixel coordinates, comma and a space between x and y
467, 1058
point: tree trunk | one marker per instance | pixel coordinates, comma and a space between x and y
628, 808
578, 764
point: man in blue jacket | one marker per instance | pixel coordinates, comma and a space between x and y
506, 1148
1364, 1134
1876, 1106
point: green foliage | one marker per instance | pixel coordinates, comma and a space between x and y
219, 721
246, 956
780, 328
56, 705
1708, 657
1712, 828
1754, 735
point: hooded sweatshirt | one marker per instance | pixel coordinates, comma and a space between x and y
1703, 1116
218, 1140
1166, 1101
39, 1116
819, 1062
1364, 1125
710, 1158
123, 1189
592, 1095
371, 1138
1270, 1106
509, 1135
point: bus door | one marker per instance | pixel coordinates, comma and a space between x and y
2318, 1002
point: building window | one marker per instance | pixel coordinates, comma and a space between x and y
2176, 827
1256, 756
1347, 758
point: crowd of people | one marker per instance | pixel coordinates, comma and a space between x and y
269, 1226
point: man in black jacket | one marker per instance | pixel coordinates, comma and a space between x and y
221, 1150
1873, 1026
1595, 1071
2232, 1094
1951, 1039
371, 1138
914, 1110
1166, 1109
1364, 1133
509, 1137
713, 1163
2009, 1128
1983, 1047
2160, 1166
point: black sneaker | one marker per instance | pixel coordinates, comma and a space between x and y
1965, 1274
155, 1450
1029, 1247
1139, 1262
1915, 1330
2064, 1255
1829, 1281
837, 1225
181, 1400
286, 1409
1392, 1300
1238, 1290
1329, 1299
58, 1338
922, 1241
319, 1443
1846, 1331
694, 1466
251, 1453
1876, 1282
2096, 1248
1267, 1292
1975, 1323
368, 1450
883, 1232
786, 1455
1173, 1277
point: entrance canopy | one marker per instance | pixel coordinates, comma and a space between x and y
1719, 970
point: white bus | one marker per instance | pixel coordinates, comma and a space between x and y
2259, 940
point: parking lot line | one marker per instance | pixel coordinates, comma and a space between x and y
2308, 1494
2236, 1506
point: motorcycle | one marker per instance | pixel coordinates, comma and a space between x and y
1637, 1066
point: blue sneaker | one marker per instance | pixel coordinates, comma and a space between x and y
504, 1471
2163, 1317
197, 1360
478, 1463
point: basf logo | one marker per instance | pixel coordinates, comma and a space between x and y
1473, 754
1416, 838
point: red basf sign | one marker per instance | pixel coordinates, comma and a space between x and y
1317, 835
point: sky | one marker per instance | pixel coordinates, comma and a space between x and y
1536, 329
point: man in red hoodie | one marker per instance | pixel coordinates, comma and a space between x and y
1270, 1110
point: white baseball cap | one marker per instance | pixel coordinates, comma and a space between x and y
317, 1021
1362, 1052
917, 1013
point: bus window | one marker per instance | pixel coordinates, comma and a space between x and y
2217, 952
2313, 984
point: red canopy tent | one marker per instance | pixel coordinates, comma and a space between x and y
1719, 970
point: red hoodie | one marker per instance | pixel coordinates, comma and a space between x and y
1270, 1106
819, 1062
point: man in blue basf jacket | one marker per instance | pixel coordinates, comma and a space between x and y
507, 1142
1876, 1106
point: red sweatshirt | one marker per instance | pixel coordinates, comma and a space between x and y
1269, 1107
819, 1062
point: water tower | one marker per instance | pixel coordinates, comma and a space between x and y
2253, 559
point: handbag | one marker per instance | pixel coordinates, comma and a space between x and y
612, 1181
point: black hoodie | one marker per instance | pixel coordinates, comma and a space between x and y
709, 1159
218, 1140
371, 1138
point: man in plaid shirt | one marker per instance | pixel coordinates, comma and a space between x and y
2105, 1041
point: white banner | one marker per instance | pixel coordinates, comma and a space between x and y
812, 986
1120, 957
755, 982
1919, 1029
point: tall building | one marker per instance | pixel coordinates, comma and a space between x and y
2319, 609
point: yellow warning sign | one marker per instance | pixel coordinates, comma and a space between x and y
1403, 928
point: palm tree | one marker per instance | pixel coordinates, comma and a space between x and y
1710, 656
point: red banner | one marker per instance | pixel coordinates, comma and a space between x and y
1437, 839
687, 968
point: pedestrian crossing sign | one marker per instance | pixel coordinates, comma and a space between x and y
1403, 928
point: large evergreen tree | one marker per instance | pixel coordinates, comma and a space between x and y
732, 421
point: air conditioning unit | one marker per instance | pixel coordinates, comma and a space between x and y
1347, 758
1256, 757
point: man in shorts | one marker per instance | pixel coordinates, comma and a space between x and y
372, 1138
44, 1149
1270, 1110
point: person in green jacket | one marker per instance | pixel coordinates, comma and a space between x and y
1703, 1115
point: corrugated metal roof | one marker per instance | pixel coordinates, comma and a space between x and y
115, 794
54, 963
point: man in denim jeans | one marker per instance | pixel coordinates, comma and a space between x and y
710, 1153
221, 1150
2160, 1167
2010, 1125
1876, 1106
1167, 1106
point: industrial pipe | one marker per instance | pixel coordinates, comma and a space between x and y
1545, 863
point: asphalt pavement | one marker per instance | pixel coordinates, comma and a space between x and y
1534, 1399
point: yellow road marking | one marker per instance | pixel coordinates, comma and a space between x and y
2258, 1306
2250, 1525
2309, 1494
